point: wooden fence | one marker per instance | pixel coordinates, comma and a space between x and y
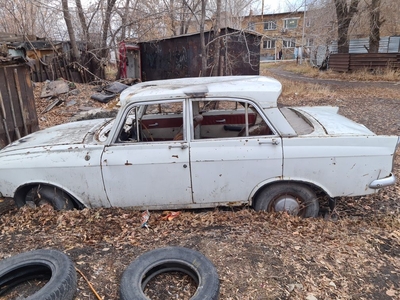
17, 104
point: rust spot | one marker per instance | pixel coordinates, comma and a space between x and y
128, 163
176, 156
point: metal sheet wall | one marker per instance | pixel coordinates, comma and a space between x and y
369, 61
180, 57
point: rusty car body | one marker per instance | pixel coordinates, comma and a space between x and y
200, 142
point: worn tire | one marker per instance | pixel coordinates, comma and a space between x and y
50, 264
170, 259
52, 195
300, 198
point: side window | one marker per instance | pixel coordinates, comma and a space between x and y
153, 122
226, 119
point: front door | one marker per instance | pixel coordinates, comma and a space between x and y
140, 170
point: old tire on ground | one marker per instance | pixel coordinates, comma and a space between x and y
41, 195
52, 265
296, 199
170, 259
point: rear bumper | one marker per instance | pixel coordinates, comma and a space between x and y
382, 182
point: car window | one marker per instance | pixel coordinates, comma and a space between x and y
153, 122
227, 118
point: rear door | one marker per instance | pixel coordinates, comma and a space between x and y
229, 159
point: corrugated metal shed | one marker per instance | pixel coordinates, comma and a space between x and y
180, 57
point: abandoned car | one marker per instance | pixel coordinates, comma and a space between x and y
200, 142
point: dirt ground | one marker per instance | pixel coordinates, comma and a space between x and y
257, 255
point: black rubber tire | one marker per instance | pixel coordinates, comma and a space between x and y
50, 264
52, 195
170, 259
304, 195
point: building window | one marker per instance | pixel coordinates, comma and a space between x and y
309, 42
290, 43
251, 26
308, 22
269, 44
290, 23
270, 25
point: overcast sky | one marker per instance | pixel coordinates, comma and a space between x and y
277, 6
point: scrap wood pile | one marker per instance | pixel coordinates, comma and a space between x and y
61, 101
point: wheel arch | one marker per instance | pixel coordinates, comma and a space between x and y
22, 191
320, 191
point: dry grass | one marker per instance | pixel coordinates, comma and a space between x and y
327, 85
306, 69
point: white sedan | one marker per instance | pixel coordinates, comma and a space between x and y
200, 142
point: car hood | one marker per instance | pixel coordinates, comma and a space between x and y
332, 122
65, 134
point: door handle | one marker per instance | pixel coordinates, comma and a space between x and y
178, 146
153, 125
271, 142
220, 121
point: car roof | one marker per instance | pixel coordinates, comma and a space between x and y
262, 89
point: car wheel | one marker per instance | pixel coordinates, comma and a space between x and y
296, 199
170, 259
43, 264
42, 195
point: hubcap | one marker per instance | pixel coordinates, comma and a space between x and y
287, 203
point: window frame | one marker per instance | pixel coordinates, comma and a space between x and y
286, 23
269, 44
270, 25
291, 42
255, 106
142, 107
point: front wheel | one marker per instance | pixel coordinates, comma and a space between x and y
48, 195
296, 199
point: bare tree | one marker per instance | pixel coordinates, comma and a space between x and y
344, 14
375, 25
217, 44
82, 20
71, 33
106, 27
202, 39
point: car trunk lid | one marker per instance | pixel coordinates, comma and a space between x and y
332, 122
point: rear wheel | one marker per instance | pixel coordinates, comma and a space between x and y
48, 195
296, 199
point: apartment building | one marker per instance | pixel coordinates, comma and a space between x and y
284, 34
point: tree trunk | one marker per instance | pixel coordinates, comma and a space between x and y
344, 15
172, 16
67, 17
124, 19
82, 20
375, 24
217, 45
106, 27
202, 39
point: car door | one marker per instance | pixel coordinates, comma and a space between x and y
228, 158
142, 168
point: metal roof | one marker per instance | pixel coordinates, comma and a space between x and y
264, 90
